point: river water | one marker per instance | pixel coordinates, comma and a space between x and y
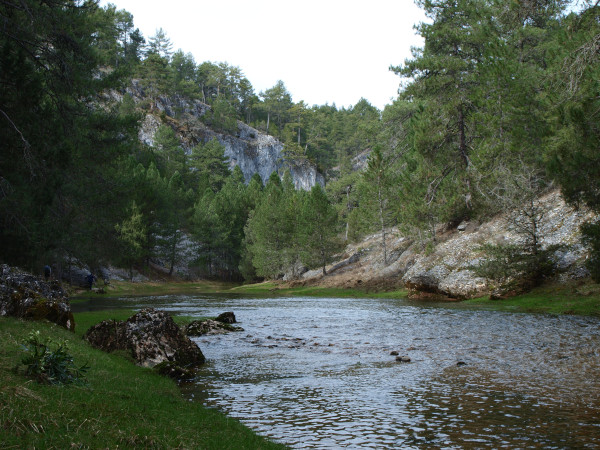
318, 373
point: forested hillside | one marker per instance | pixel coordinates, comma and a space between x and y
500, 105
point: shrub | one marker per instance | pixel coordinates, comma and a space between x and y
53, 366
515, 266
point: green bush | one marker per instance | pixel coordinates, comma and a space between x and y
515, 266
51, 366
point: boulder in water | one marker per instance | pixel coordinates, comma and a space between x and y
226, 317
209, 327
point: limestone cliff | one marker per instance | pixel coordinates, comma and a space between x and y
249, 149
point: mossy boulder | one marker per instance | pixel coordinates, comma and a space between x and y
26, 296
152, 338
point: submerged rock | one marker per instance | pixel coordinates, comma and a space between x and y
26, 296
152, 338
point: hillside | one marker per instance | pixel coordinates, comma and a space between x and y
253, 151
445, 269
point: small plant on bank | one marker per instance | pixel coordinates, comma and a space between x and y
516, 267
53, 366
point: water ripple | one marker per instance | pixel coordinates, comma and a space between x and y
317, 373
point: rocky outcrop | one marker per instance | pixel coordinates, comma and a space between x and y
445, 269
249, 149
152, 338
26, 296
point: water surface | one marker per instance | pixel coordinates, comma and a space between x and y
318, 373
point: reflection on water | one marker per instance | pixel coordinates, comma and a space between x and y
318, 373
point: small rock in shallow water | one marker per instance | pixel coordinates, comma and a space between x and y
226, 317
404, 359
461, 363
394, 353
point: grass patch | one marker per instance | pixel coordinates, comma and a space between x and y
572, 298
272, 288
265, 288
118, 288
121, 406
84, 320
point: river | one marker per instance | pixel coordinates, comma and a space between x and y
319, 373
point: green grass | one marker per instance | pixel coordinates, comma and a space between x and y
581, 298
272, 288
570, 298
123, 405
83, 321
117, 288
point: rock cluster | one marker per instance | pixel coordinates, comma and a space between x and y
26, 296
152, 338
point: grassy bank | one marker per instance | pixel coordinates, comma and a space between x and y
121, 406
572, 298
268, 288
582, 298
117, 288
274, 288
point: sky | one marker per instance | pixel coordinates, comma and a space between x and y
325, 51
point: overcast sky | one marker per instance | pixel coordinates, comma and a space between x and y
325, 51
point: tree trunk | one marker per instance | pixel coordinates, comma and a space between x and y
348, 188
323, 258
463, 137
382, 220
464, 151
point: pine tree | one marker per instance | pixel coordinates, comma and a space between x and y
209, 165
267, 232
572, 157
160, 45
59, 153
170, 151
378, 204
132, 235
446, 73
318, 229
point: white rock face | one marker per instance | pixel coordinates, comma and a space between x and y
446, 269
250, 150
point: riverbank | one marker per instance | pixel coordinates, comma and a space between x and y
581, 298
122, 405
267, 288
576, 297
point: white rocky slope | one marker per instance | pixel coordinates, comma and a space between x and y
445, 270
248, 148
